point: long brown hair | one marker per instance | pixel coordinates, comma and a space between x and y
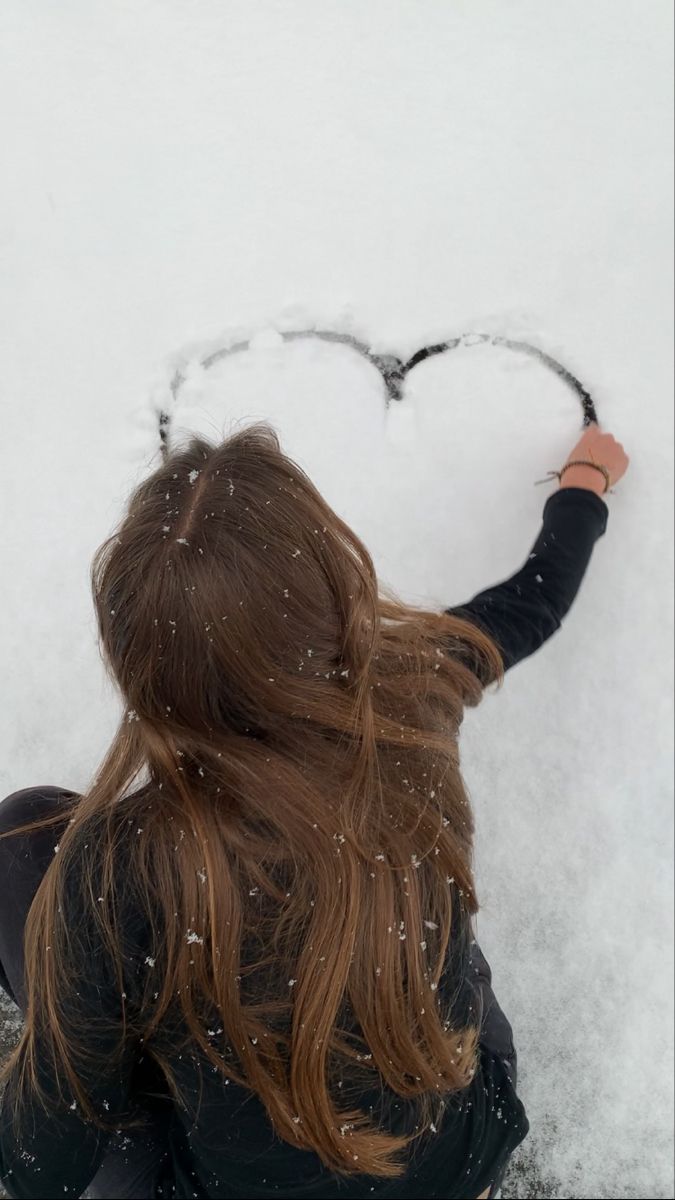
304, 837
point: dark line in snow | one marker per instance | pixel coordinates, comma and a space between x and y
392, 369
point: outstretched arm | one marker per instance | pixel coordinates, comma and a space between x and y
523, 611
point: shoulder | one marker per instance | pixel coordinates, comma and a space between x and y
28, 853
32, 804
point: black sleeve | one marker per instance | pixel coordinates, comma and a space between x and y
523, 611
56, 1152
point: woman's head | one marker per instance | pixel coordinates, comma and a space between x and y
305, 836
233, 599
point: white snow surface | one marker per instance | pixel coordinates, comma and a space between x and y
408, 171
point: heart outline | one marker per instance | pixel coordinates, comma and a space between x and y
392, 369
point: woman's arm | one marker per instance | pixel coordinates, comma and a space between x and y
523, 611
54, 1150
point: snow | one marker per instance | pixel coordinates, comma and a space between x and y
178, 176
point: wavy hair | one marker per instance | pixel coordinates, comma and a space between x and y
298, 724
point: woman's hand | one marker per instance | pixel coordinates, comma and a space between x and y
601, 448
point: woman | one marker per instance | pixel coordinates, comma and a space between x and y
249, 963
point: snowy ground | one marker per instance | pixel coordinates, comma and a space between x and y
410, 170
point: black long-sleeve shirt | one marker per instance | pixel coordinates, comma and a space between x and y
231, 1151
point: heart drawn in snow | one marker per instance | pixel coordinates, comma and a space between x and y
393, 369
426, 477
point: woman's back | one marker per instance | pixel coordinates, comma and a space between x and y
269, 942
